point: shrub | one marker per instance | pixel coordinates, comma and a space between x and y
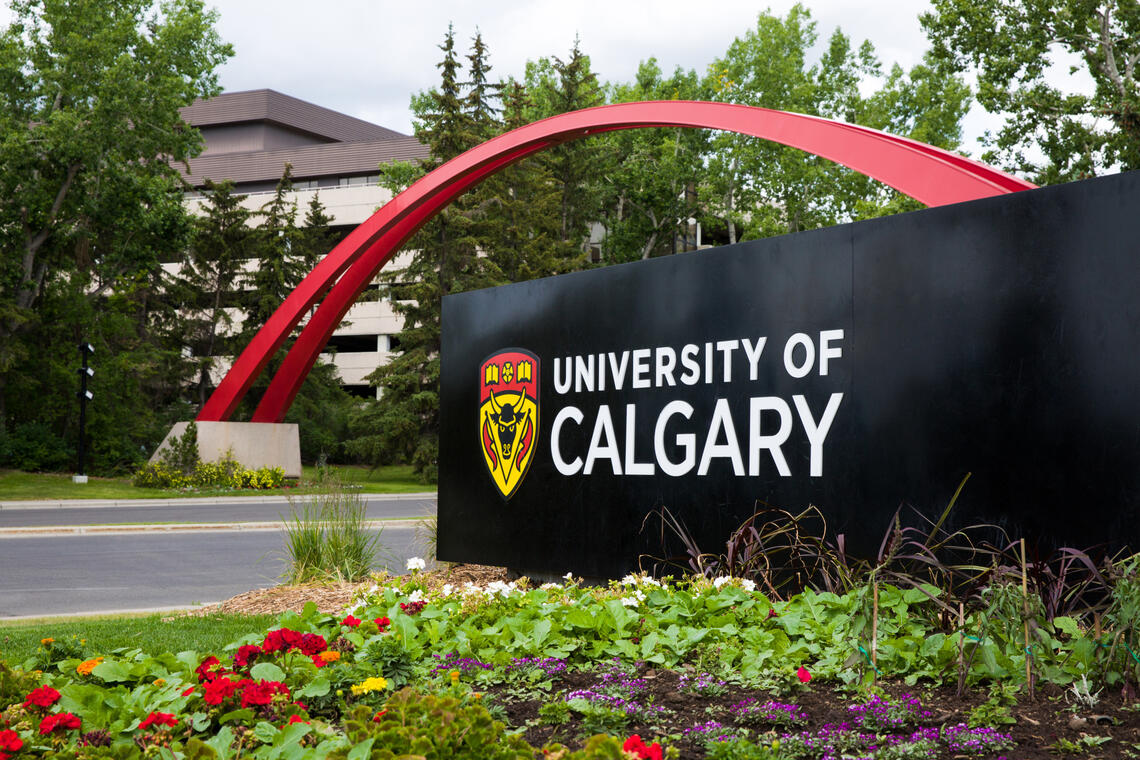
33, 447
421, 725
226, 473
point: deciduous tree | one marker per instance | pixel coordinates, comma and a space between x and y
1021, 51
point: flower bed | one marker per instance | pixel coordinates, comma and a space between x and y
645, 668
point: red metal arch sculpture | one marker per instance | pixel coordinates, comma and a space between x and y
928, 174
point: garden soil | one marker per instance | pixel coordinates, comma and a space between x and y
1049, 726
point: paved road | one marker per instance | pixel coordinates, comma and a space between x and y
237, 510
70, 574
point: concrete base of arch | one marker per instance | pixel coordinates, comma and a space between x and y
254, 444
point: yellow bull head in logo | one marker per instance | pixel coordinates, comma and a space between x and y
508, 416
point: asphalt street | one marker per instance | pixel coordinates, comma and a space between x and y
71, 574
165, 555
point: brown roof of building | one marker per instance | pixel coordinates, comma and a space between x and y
309, 161
278, 108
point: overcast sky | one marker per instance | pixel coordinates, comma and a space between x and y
366, 58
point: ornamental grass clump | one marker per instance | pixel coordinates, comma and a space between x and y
328, 539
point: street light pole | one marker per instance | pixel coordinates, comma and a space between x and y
85, 372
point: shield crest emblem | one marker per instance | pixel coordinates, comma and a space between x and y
508, 416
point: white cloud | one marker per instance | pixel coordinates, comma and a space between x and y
368, 58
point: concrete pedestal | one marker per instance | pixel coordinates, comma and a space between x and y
254, 444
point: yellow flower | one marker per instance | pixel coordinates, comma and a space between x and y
84, 668
47, 641
329, 656
370, 684
159, 681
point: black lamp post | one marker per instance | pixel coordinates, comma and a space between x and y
85, 372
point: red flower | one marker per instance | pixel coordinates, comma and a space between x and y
188, 692
219, 689
635, 745
10, 741
281, 640
210, 669
382, 623
350, 621
159, 719
261, 692
297, 719
411, 608
44, 696
313, 643
245, 653
803, 674
379, 715
59, 720
772, 613
319, 661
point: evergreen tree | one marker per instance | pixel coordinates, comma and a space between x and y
314, 239
210, 280
523, 224
404, 424
279, 268
559, 86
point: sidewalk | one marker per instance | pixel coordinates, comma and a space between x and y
190, 501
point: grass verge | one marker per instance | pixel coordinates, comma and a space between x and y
23, 486
153, 633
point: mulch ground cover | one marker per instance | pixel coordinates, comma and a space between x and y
1040, 724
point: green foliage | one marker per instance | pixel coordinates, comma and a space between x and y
32, 446
995, 710
638, 620
328, 538
182, 452
89, 198
403, 426
227, 473
1013, 46
207, 282
757, 188
432, 727
554, 713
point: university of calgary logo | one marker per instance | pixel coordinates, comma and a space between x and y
508, 416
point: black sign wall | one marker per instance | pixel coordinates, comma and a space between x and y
856, 368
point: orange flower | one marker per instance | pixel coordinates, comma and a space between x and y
47, 641
329, 656
84, 668
159, 681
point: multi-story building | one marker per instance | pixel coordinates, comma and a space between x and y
251, 136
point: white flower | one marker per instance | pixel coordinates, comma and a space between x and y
569, 577
748, 585
416, 596
721, 580
416, 563
629, 580
549, 586
633, 599
448, 589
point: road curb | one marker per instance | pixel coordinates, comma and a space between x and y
112, 530
192, 501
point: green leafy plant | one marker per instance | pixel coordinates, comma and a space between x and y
414, 724
328, 538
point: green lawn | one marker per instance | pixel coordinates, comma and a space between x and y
15, 485
87, 637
